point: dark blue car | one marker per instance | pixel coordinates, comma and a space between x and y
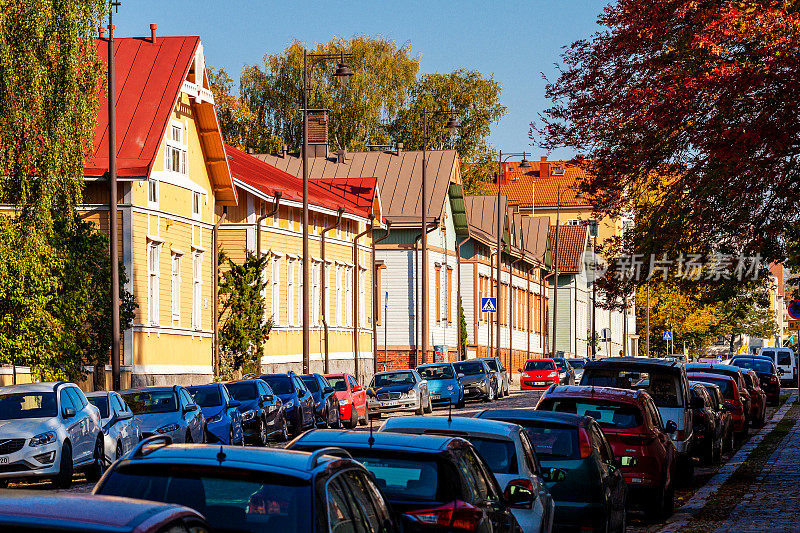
326, 404
221, 411
298, 403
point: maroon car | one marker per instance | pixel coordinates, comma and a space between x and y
640, 441
734, 400
758, 398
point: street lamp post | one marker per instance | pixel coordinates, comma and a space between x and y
343, 74
112, 206
452, 126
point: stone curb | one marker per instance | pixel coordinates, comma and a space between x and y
699, 499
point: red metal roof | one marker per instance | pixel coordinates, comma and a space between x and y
523, 187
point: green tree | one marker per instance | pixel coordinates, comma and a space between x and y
462, 324
243, 329
235, 117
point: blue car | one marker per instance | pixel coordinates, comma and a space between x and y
443, 383
221, 411
297, 401
326, 404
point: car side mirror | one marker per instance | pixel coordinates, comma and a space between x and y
268, 398
192, 407
519, 494
234, 403
671, 426
69, 412
124, 415
519, 370
357, 388
460, 375
327, 390
553, 475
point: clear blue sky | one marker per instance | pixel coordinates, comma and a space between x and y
514, 41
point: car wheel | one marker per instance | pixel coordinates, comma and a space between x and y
118, 452
337, 420
284, 435
717, 454
99, 464
230, 436
3, 483
364, 420
262, 437
429, 408
326, 417
188, 438
460, 403
353, 417
63, 479
421, 409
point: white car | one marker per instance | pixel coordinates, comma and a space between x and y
507, 450
120, 427
785, 362
48, 430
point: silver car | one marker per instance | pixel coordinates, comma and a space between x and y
167, 411
398, 390
120, 427
500, 374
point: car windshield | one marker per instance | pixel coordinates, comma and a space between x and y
149, 402
530, 366
311, 383
663, 387
404, 478
243, 392
492, 364
338, 383
28, 405
552, 441
436, 372
234, 500
576, 363
784, 358
608, 414
101, 402
762, 367
470, 368
206, 396
279, 384
500, 455
724, 384
395, 378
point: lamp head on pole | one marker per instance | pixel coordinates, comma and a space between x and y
524, 165
343, 74
579, 196
453, 124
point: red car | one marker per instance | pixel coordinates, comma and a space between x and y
731, 371
758, 398
538, 374
352, 399
732, 396
630, 420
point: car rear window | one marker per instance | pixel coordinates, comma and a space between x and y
724, 384
531, 366
492, 364
148, 402
784, 357
663, 387
338, 383
311, 383
232, 500
206, 396
470, 368
243, 392
552, 441
607, 413
500, 455
404, 479
763, 367
436, 372
101, 402
279, 384
576, 363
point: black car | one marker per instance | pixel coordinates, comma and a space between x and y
298, 403
253, 489
432, 482
708, 427
263, 415
326, 405
724, 419
566, 373
479, 382
767, 374
581, 473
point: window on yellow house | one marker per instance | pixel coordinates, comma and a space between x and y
197, 288
449, 308
276, 290
326, 272
348, 296
176, 286
197, 203
338, 316
152, 283
290, 318
175, 153
314, 318
152, 193
299, 319
362, 297
438, 292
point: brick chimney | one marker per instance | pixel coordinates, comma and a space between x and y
544, 167
318, 135
101, 32
153, 28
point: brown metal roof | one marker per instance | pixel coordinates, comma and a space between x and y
482, 216
399, 177
535, 230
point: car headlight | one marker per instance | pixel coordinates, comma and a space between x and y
290, 404
43, 438
412, 393
450, 388
168, 428
344, 401
552, 374
248, 415
216, 418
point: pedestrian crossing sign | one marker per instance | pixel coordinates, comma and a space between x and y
667, 335
488, 305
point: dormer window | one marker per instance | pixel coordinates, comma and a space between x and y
176, 150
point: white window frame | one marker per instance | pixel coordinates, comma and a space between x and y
152, 193
176, 285
197, 290
197, 202
276, 289
153, 275
315, 293
291, 319
338, 316
362, 297
290, 218
176, 146
348, 296
326, 272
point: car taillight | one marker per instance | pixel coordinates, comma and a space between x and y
585, 444
680, 434
455, 515
773, 379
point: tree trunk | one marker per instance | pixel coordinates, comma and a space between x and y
733, 339
99, 377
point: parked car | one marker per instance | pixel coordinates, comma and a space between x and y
539, 374
758, 398
398, 390
507, 451
733, 372
734, 401
48, 430
565, 371
501, 374
221, 411
120, 429
253, 489
263, 415
786, 361
479, 383
38, 512
432, 483
326, 404
444, 383
633, 426
579, 466
167, 411
724, 420
352, 399
298, 403
767, 374
665, 382
577, 366
708, 430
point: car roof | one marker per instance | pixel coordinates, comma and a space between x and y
603, 393
94, 512
382, 440
633, 361
394, 371
544, 416
47, 386
539, 359
696, 366
707, 375
444, 363
204, 385
99, 393
473, 426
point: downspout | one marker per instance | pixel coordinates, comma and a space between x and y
461, 355
491, 316
215, 300
528, 306
324, 277
375, 307
278, 195
356, 315
511, 307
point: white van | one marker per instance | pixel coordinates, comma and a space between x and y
785, 361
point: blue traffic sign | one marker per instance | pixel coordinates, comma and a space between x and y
667, 335
489, 305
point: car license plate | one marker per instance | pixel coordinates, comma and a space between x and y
3, 460
435, 397
540, 383
390, 403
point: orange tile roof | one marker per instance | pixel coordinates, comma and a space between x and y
571, 245
521, 186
